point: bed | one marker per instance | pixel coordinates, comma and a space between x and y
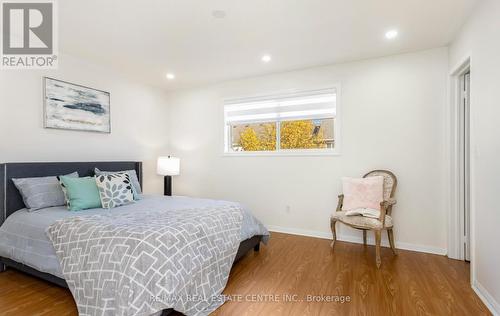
24, 244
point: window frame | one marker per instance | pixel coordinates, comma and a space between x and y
337, 128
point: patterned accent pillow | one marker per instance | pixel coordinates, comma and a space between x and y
136, 186
115, 189
65, 190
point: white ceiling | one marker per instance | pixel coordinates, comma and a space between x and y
148, 38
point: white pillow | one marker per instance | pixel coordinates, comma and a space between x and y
364, 193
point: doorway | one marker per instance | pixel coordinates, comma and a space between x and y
461, 211
464, 160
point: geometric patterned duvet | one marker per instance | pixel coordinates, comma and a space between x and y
143, 262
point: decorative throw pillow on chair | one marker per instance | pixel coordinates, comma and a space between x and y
363, 196
115, 189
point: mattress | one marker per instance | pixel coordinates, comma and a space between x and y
23, 234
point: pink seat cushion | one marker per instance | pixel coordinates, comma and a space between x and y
362, 193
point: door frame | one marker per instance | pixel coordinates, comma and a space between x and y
456, 229
465, 153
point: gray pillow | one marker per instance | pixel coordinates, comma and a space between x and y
41, 192
136, 186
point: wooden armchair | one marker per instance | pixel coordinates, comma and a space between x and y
384, 222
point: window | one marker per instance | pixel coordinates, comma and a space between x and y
304, 122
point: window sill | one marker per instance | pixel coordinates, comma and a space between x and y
291, 153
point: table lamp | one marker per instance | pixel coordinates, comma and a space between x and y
168, 167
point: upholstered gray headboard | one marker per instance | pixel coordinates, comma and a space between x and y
10, 197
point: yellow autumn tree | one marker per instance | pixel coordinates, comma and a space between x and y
300, 135
294, 135
268, 137
249, 140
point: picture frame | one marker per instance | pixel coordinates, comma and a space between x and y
71, 106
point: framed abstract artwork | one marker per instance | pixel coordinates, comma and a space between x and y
74, 107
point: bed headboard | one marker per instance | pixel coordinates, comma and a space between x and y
10, 198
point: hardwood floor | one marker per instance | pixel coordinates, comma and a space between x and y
410, 284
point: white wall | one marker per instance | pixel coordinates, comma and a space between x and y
138, 118
393, 113
479, 40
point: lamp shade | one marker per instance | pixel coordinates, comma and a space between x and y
168, 166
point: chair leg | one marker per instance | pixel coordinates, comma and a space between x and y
378, 237
334, 232
364, 237
390, 235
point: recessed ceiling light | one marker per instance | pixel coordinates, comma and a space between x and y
170, 76
266, 58
219, 14
392, 34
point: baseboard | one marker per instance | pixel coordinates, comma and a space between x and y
298, 231
355, 239
487, 299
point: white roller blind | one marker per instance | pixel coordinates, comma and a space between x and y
305, 105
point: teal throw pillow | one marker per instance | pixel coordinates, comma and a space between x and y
82, 193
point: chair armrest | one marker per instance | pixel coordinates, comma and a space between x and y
391, 202
384, 205
339, 204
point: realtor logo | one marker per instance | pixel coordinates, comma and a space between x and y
28, 37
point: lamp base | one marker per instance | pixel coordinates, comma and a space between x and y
167, 185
